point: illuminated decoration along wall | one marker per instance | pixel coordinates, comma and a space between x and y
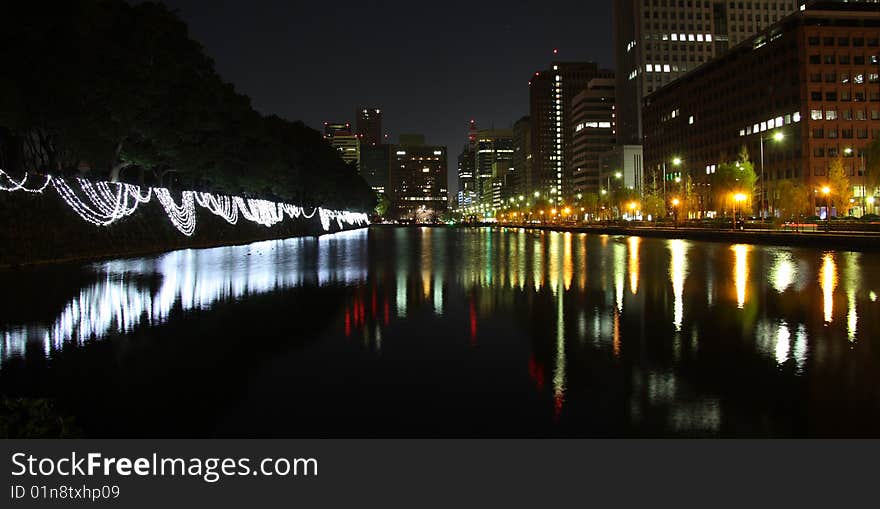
104, 203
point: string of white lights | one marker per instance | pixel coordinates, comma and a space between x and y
183, 217
106, 202
20, 185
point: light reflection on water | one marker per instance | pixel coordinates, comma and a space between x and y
118, 301
659, 336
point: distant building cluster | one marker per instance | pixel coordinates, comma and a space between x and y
410, 174
794, 82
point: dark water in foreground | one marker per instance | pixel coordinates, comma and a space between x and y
454, 332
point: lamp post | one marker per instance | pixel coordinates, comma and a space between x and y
826, 191
777, 137
737, 198
675, 203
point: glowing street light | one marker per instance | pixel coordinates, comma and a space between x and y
675, 203
827, 192
738, 198
777, 137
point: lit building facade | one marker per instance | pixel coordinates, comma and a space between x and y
369, 126
467, 193
812, 79
592, 124
657, 41
341, 138
522, 158
550, 96
621, 167
493, 153
375, 160
417, 180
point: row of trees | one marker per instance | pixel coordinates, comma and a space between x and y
789, 197
120, 91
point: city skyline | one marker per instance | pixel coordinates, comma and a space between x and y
492, 60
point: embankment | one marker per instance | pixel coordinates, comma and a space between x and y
837, 240
41, 228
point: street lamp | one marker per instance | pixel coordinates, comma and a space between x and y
777, 137
738, 198
826, 191
675, 203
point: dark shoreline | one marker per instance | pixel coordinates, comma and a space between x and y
137, 253
845, 241
40, 230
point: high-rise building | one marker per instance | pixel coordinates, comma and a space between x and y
592, 122
550, 95
798, 96
656, 42
467, 193
375, 160
417, 179
340, 137
369, 126
621, 167
493, 159
520, 176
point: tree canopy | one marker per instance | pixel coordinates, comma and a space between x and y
121, 92
732, 178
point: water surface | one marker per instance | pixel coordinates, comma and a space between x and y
453, 332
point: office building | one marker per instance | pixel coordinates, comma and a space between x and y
369, 126
657, 41
417, 180
375, 161
467, 193
493, 153
522, 158
592, 123
621, 168
812, 80
550, 95
340, 137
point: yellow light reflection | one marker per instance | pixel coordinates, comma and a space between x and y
634, 243
741, 272
677, 274
567, 264
582, 266
828, 282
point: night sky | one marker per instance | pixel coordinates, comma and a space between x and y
431, 67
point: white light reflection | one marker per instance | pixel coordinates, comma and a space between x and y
783, 272
677, 273
741, 273
122, 299
783, 343
852, 281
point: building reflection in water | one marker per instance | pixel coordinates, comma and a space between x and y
541, 289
